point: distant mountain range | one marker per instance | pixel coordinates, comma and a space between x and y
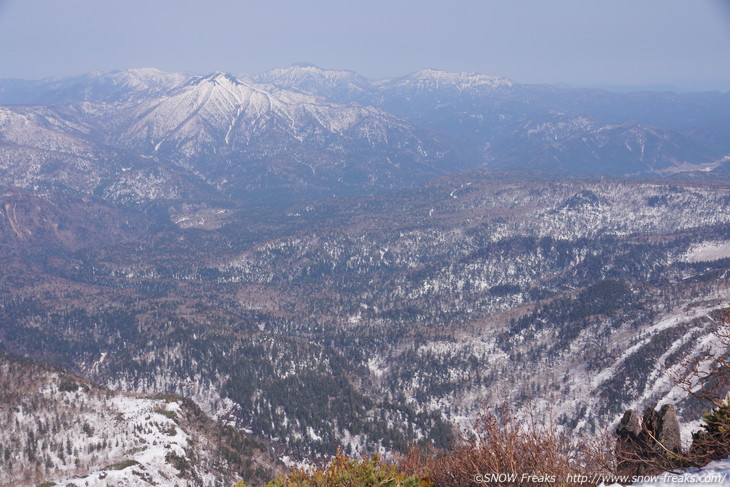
303, 132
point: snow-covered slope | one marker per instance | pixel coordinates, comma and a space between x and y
56, 428
224, 110
236, 133
43, 147
95, 87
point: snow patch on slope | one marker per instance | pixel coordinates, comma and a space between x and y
154, 438
708, 251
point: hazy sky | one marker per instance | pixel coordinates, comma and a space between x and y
685, 43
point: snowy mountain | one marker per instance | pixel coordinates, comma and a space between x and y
234, 135
584, 146
335, 85
47, 147
220, 109
92, 87
304, 132
513, 126
435, 80
349, 86
220, 116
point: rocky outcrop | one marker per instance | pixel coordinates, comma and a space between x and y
648, 445
666, 428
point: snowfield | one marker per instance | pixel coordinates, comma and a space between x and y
708, 251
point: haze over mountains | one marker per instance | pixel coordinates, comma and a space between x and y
305, 129
328, 261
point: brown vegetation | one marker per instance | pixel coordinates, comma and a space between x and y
505, 449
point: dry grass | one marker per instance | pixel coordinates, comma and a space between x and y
504, 449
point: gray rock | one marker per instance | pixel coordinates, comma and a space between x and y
630, 425
646, 446
668, 433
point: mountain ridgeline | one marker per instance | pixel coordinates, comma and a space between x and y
329, 262
303, 132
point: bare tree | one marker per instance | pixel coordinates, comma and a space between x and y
708, 378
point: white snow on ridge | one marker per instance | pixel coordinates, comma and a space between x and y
645, 336
145, 78
302, 73
434, 78
220, 106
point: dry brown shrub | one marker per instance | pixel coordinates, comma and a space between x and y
504, 449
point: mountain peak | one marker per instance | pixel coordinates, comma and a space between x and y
146, 72
340, 85
216, 78
140, 79
311, 66
308, 70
